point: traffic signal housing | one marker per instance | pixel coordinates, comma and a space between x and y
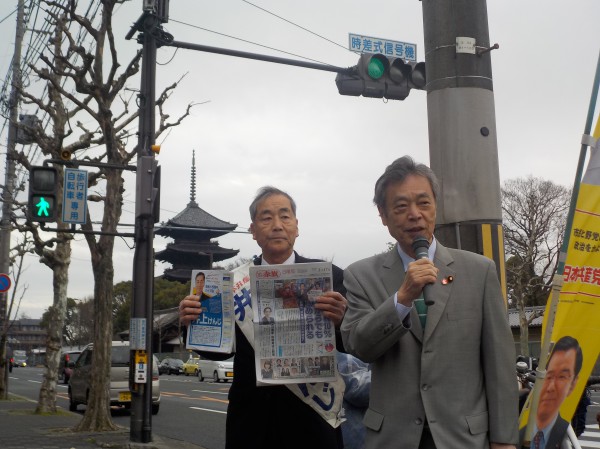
379, 76
43, 187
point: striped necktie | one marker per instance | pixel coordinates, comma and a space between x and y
421, 309
538, 440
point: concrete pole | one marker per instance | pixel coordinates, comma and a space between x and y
462, 127
9, 181
143, 269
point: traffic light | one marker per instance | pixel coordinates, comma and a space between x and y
43, 186
378, 76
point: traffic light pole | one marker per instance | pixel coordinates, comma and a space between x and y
463, 148
143, 265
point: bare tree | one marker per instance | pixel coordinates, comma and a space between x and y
86, 81
12, 307
534, 214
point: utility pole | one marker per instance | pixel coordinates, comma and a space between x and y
146, 214
463, 148
9, 181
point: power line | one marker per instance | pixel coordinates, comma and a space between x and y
295, 24
247, 41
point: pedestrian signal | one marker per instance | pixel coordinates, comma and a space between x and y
42, 194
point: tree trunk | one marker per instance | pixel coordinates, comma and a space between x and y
58, 310
524, 325
97, 415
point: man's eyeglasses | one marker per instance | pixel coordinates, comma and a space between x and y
560, 378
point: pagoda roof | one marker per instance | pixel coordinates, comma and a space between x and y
193, 216
181, 252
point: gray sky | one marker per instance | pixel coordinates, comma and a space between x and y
288, 126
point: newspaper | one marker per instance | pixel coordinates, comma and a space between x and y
294, 342
214, 329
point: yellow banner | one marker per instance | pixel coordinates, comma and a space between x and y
575, 342
578, 313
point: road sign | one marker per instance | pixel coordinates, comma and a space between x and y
392, 49
4, 282
75, 196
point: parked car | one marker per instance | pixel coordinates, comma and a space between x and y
218, 371
64, 370
191, 366
120, 395
171, 366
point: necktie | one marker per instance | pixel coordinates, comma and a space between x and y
538, 440
421, 310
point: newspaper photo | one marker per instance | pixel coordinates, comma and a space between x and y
214, 329
294, 342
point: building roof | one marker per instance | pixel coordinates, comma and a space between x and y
513, 316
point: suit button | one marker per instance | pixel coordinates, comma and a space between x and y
387, 329
425, 387
418, 421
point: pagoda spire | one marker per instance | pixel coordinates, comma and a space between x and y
193, 180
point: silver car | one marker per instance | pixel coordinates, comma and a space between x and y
217, 370
80, 382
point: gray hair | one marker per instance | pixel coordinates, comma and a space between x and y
399, 170
264, 193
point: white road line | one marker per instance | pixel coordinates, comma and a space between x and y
208, 410
208, 391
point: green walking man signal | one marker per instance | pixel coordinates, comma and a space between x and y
43, 186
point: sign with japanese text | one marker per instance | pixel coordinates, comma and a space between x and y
75, 196
389, 48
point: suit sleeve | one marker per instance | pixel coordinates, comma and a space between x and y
371, 325
498, 357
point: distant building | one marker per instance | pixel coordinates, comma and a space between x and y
26, 334
535, 328
193, 231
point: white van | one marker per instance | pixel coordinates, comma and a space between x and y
79, 384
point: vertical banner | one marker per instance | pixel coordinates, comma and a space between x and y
574, 343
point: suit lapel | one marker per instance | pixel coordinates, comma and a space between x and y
439, 291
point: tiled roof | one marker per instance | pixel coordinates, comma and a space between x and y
513, 316
193, 216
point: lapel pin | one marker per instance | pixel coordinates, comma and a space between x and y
447, 280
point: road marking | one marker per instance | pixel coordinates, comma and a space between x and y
35, 381
208, 391
208, 410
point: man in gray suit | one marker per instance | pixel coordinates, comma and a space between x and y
443, 375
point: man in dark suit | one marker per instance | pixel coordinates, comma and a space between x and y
442, 375
272, 417
562, 374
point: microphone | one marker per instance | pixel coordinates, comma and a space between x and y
420, 246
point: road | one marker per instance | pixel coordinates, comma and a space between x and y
194, 411
190, 410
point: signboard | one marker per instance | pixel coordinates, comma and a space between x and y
4, 282
75, 196
137, 333
389, 48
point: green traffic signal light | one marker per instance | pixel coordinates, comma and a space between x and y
44, 206
43, 185
376, 68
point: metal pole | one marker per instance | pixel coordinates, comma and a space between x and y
143, 270
462, 127
9, 180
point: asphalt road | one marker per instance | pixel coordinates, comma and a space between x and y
190, 410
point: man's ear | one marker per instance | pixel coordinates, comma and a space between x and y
252, 230
382, 215
297, 229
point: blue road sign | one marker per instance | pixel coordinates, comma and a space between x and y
4, 282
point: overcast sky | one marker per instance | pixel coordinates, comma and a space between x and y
287, 126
